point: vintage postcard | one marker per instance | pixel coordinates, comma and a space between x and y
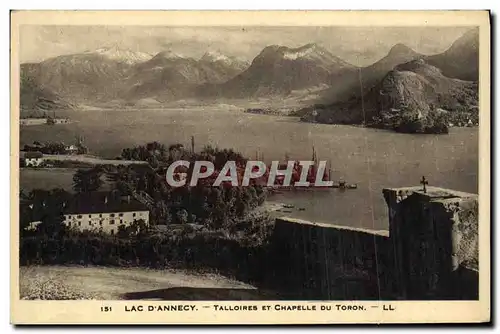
232, 167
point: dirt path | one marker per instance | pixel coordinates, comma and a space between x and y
52, 282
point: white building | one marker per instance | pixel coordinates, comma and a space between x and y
101, 211
106, 221
61, 120
71, 149
105, 212
32, 121
32, 159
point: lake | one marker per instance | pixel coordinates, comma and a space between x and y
374, 159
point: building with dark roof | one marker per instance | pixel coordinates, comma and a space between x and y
32, 159
99, 211
104, 211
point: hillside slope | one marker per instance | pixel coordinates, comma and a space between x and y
169, 76
414, 90
80, 77
34, 98
356, 82
461, 60
278, 70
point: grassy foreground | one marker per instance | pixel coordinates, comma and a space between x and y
104, 283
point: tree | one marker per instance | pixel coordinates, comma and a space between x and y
54, 148
86, 181
182, 216
127, 154
153, 161
52, 221
191, 218
123, 231
82, 149
161, 214
138, 226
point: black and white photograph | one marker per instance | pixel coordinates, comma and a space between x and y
248, 163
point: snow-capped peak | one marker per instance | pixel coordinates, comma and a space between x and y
125, 56
305, 51
214, 56
169, 54
218, 57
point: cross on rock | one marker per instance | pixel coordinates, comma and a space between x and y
424, 182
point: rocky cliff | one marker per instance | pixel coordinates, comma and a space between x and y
413, 97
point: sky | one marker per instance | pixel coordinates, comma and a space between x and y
358, 45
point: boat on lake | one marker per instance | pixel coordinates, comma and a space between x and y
313, 174
344, 185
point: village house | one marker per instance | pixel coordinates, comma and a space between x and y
31, 159
71, 149
31, 213
32, 121
98, 211
61, 120
43, 120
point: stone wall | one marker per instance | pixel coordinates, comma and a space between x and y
435, 240
429, 252
322, 261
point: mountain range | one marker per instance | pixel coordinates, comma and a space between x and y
111, 74
278, 70
411, 83
168, 75
416, 87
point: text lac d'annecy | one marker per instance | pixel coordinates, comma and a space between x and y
152, 308
236, 175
